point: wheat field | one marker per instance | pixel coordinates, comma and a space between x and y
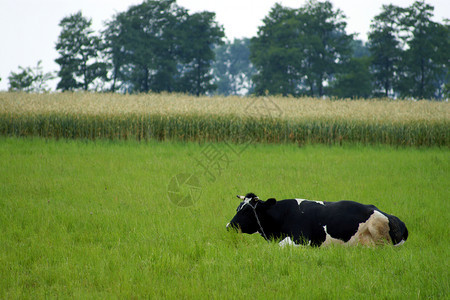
237, 119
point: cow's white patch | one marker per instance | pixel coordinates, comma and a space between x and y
300, 201
288, 242
243, 204
399, 243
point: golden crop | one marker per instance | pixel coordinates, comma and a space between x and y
238, 119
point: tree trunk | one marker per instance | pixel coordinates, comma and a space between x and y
197, 92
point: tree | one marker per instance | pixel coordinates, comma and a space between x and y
79, 51
199, 33
30, 79
158, 46
275, 53
355, 80
359, 48
143, 46
425, 61
232, 69
327, 45
300, 51
21, 81
114, 54
385, 48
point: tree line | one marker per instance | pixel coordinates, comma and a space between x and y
159, 46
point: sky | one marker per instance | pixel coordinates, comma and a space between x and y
29, 28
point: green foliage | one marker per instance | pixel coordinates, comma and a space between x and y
21, 81
385, 47
355, 80
273, 53
93, 220
425, 62
409, 52
297, 51
30, 79
79, 51
359, 48
232, 69
200, 34
158, 46
141, 44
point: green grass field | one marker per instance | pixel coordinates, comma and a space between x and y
93, 220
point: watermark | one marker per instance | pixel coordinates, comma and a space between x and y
264, 107
212, 161
184, 189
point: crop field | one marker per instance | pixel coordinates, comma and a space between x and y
128, 219
179, 117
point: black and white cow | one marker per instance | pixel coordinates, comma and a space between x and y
316, 223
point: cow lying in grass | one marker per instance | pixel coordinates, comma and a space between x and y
317, 223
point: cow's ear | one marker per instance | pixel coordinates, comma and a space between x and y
271, 201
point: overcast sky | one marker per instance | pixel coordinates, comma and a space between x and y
29, 28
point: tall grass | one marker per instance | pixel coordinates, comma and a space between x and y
93, 220
186, 118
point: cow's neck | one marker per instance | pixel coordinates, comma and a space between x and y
270, 222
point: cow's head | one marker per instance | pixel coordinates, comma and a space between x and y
250, 213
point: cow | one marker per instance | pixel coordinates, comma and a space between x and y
317, 223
